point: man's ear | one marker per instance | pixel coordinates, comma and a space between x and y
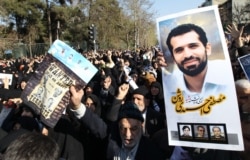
208, 49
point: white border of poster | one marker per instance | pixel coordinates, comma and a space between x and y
215, 105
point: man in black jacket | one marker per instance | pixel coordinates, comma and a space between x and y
127, 140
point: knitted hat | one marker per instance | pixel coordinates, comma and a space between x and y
130, 110
142, 90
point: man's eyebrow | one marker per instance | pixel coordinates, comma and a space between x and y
193, 43
178, 49
189, 44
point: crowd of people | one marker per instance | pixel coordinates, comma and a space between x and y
110, 118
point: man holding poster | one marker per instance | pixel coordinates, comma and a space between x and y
198, 81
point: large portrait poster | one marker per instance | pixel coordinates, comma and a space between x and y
199, 91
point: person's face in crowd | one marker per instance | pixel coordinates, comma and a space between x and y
23, 85
186, 132
245, 38
140, 101
121, 62
130, 131
89, 103
16, 126
126, 63
154, 90
88, 90
217, 132
201, 132
27, 113
134, 77
243, 95
189, 53
106, 82
155, 65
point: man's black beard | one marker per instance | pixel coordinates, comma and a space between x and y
193, 70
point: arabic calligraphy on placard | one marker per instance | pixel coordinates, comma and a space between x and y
204, 107
195, 99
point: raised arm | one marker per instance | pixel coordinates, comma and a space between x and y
112, 113
236, 34
88, 118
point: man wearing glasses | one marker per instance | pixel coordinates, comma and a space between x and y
200, 131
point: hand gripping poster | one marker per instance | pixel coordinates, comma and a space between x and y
199, 91
47, 91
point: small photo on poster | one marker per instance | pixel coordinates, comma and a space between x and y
201, 132
218, 133
185, 131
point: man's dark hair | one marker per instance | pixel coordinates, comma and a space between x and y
200, 127
184, 127
185, 28
32, 146
216, 127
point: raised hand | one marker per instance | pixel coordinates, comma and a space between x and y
236, 34
161, 60
76, 97
6, 82
122, 91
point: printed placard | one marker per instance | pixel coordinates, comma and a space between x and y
47, 91
198, 81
